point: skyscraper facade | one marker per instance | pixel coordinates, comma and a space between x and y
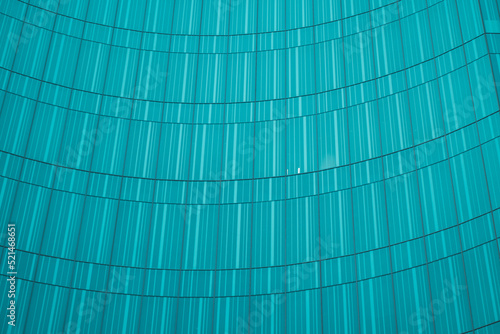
250, 166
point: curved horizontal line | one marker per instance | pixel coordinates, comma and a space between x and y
231, 103
270, 177
481, 327
253, 101
219, 53
263, 267
215, 35
257, 295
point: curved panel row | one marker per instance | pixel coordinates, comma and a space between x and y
409, 305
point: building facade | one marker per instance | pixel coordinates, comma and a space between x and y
257, 166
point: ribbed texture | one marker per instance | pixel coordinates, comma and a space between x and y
251, 166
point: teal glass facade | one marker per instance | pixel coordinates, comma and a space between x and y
251, 166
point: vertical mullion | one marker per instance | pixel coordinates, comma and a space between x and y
62, 140
221, 168
189, 168
382, 162
416, 173
350, 167
285, 275
124, 160
448, 160
475, 116
26, 151
317, 164
34, 110
253, 167
156, 168
93, 149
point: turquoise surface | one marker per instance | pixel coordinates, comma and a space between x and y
251, 166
